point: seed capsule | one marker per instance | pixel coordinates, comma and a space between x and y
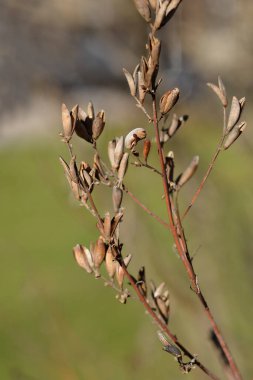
118, 152
234, 114
134, 136
146, 149
168, 100
234, 134
98, 125
81, 258
188, 173
117, 195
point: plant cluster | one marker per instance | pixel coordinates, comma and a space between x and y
84, 178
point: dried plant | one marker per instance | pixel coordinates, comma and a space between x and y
84, 178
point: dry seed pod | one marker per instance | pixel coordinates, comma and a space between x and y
153, 3
155, 49
73, 170
168, 100
141, 87
134, 136
146, 149
234, 134
189, 171
118, 152
98, 125
167, 346
66, 123
242, 102
131, 82
143, 8
223, 90
66, 169
170, 165
234, 114
160, 14
81, 258
219, 93
170, 10
123, 296
107, 226
115, 221
90, 111
158, 292
117, 195
111, 150
98, 254
120, 272
142, 285
110, 263
163, 309
123, 167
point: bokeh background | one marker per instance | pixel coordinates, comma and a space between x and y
58, 323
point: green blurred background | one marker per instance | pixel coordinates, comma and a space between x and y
57, 322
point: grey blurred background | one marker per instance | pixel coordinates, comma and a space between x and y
75, 50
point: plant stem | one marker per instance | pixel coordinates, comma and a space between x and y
163, 326
183, 250
210, 167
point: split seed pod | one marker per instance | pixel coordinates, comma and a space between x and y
234, 114
120, 272
118, 152
123, 167
219, 91
66, 123
143, 8
189, 172
131, 82
98, 125
110, 263
161, 14
146, 149
134, 136
234, 134
117, 195
111, 150
79, 252
168, 347
168, 100
98, 254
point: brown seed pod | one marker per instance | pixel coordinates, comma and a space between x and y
219, 93
143, 8
141, 87
131, 82
107, 226
118, 152
66, 123
120, 272
123, 167
98, 254
234, 134
234, 114
153, 3
146, 149
110, 263
117, 195
168, 100
81, 258
161, 14
111, 150
98, 125
134, 136
189, 172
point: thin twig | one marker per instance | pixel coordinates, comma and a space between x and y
184, 253
139, 105
149, 212
210, 167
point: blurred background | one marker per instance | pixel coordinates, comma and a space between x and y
58, 323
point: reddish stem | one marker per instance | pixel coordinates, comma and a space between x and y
184, 254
